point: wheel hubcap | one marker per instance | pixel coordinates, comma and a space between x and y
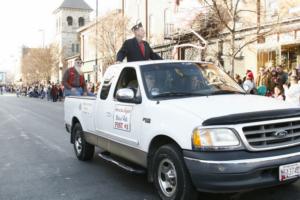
167, 177
78, 144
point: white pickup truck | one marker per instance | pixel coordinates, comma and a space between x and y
189, 126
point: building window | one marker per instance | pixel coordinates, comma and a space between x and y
81, 21
70, 21
77, 48
73, 48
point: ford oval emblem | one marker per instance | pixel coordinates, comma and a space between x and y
280, 134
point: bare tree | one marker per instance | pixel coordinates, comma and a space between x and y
232, 16
110, 36
39, 63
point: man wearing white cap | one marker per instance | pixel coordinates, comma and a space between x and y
136, 49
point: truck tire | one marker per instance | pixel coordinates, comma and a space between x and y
171, 179
83, 150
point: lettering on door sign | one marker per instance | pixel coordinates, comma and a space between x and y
122, 117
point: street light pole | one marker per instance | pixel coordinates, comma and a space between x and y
96, 46
123, 16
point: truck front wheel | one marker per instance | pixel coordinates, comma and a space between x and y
171, 178
83, 150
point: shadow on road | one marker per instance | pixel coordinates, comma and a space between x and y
282, 192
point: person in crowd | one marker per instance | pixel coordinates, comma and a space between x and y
279, 93
73, 80
292, 93
263, 78
60, 93
136, 49
89, 87
297, 72
238, 79
49, 92
42, 92
245, 77
283, 76
45, 91
18, 92
97, 88
272, 68
54, 93
274, 80
93, 88
249, 84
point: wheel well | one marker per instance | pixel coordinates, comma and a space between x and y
74, 121
156, 142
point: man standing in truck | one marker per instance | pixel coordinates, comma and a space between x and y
136, 49
73, 80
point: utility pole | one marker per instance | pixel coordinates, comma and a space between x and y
146, 20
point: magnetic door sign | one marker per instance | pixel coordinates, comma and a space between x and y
122, 117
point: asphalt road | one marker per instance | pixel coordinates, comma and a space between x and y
37, 162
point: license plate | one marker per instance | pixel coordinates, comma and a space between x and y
289, 171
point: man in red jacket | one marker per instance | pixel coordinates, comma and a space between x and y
73, 80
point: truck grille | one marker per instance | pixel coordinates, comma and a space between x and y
273, 135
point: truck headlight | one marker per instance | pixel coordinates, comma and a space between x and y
215, 139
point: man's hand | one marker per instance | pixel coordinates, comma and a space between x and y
85, 94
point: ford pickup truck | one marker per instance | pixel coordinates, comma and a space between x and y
189, 126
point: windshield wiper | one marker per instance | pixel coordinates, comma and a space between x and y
177, 94
226, 92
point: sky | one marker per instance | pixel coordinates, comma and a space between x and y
24, 22
27, 22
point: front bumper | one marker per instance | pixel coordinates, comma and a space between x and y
236, 171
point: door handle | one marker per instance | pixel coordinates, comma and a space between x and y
108, 114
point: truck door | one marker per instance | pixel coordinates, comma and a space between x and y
121, 121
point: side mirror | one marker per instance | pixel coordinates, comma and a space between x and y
127, 95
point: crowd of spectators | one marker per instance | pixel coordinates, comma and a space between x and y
51, 91
273, 82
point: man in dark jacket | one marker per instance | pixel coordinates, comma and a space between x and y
136, 49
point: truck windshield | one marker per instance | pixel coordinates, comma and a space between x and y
186, 79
